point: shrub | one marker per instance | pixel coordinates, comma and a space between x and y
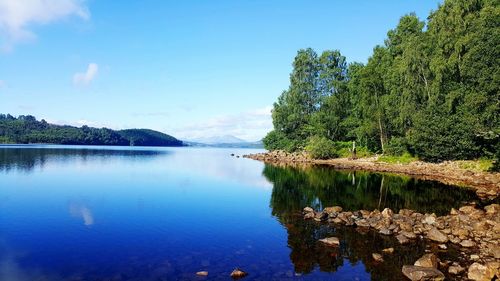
321, 148
397, 146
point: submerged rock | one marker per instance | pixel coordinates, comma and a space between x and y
388, 251
427, 260
202, 273
330, 241
238, 273
418, 273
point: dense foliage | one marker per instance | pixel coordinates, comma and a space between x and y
26, 129
431, 90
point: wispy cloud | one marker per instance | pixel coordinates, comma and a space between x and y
17, 16
250, 125
84, 78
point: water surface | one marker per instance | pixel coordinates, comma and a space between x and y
120, 213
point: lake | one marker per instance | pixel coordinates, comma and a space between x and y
121, 213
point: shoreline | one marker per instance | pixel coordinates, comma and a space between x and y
485, 184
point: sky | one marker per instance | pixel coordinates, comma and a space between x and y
188, 68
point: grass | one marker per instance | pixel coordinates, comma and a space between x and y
403, 159
479, 165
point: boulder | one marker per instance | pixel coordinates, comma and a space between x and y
429, 219
334, 209
385, 231
402, 239
436, 235
238, 273
492, 209
427, 260
455, 269
377, 257
480, 272
387, 213
467, 244
418, 273
308, 210
330, 241
388, 251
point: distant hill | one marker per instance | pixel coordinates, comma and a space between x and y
27, 129
223, 141
218, 140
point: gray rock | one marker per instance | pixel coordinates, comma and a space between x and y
418, 273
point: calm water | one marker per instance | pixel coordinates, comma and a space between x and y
95, 213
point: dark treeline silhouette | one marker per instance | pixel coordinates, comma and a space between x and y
27, 129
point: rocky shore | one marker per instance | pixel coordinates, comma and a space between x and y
486, 185
475, 231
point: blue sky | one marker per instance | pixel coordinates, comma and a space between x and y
187, 68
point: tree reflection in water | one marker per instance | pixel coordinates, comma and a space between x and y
297, 187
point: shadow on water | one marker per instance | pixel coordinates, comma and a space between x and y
295, 188
27, 158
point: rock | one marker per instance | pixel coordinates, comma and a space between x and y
309, 216
308, 210
455, 269
467, 209
436, 235
385, 231
387, 213
330, 241
429, 219
377, 257
238, 273
479, 272
409, 235
467, 244
442, 246
334, 209
474, 257
417, 273
492, 209
320, 216
362, 223
388, 251
406, 212
427, 260
202, 273
402, 239
453, 211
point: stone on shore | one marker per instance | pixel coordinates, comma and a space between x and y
480, 272
435, 235
377, 257
455, 269
418, 273
308, 210
427, 260
388, 251
330, 241
402, 239
238, 273
334, 209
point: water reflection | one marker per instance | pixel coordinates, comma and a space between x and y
321, 186
26, 158
81, 211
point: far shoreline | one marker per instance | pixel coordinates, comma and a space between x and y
485, 184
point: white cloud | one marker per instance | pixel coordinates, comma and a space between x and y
84, 78
250, 125
17, 16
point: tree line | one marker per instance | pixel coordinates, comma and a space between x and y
27, 129
431, 90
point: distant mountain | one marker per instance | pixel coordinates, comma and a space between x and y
26, 129
223, 141
218, 140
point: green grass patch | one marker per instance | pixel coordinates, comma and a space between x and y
406, 158
480, 165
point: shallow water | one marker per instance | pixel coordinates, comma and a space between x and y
120, 213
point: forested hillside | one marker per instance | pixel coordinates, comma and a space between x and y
432, 90
26, 129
